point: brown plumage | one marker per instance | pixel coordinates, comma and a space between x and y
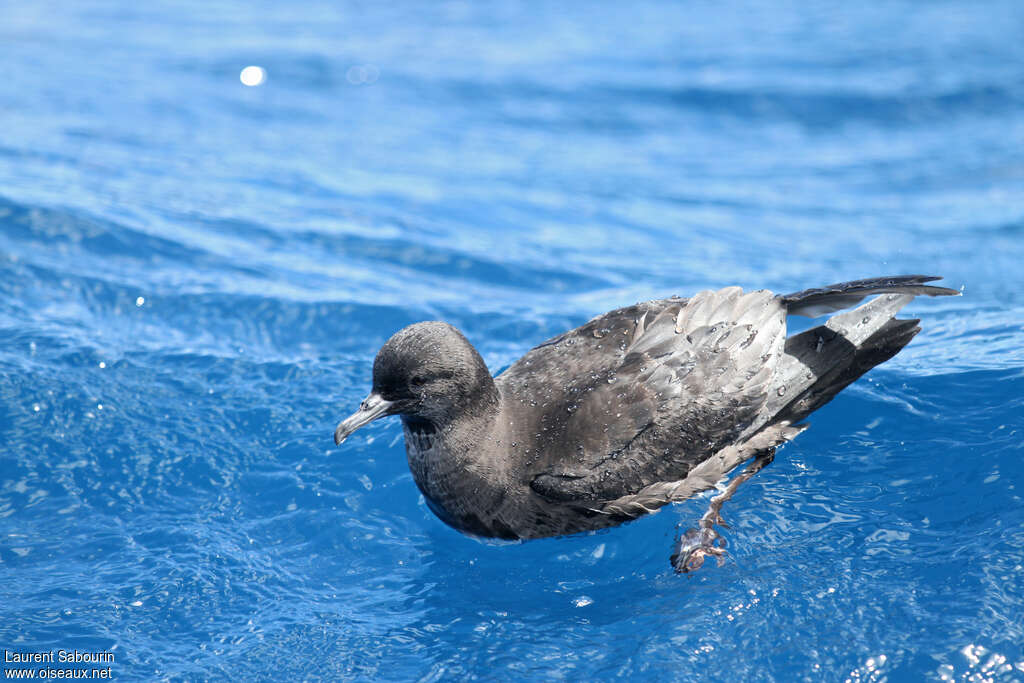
640, 407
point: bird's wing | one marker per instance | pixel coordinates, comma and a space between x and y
830, 298
574, 360
680, 380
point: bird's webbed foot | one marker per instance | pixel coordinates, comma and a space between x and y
691, 548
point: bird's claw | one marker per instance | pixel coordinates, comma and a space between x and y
694, 546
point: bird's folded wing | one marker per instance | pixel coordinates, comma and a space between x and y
688, 377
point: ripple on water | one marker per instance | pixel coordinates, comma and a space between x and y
195, 275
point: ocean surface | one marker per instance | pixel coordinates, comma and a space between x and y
195, 275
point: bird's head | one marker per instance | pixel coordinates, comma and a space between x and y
427, 371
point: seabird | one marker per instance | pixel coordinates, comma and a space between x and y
640, 407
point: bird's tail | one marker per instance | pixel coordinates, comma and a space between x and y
875, 350
822, 361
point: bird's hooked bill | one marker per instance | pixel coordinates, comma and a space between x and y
373, 407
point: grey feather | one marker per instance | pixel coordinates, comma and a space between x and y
640, 407
822, 300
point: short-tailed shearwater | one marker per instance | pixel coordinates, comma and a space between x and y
640, 407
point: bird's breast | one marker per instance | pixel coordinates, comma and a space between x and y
454, 492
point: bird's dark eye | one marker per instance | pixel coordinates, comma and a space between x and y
417, 381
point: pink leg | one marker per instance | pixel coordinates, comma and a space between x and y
696, 544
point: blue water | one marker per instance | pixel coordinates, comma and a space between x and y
195, 276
